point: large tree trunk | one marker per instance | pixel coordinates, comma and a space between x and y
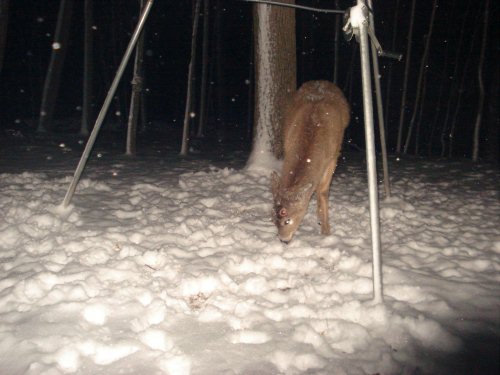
4, 20
275, 76
54, 71
480, 105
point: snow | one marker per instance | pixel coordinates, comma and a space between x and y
172, 266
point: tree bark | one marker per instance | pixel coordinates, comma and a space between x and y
54, 71
275, 71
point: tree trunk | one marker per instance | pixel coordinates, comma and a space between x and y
204, 68
493, 125
405, 79
275, 71
390, 64
437, 112
454, 84
336, 45
461, 88
251, 90
4, 21
187, 112
88, 57
480, 105
121, 97
423, 64
54, 71
137, 86
420, 114
219, 73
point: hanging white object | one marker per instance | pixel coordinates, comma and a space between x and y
359, 23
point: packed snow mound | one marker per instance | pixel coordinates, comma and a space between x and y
174, 267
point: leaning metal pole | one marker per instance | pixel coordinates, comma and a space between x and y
107, 102
359, 21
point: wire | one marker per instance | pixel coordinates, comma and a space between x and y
286, 5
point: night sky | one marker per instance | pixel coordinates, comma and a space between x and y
31, 26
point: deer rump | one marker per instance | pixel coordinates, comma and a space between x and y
313, 131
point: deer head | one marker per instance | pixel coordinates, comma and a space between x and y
290, 206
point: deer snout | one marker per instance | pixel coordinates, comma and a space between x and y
285, 237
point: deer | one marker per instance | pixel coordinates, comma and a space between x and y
313, 131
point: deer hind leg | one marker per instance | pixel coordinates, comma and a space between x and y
322, 192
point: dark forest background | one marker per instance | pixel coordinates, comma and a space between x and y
30, 32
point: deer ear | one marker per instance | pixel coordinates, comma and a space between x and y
275, 182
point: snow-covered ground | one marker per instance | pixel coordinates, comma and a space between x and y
169, 266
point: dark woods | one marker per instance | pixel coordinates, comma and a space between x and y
449, 86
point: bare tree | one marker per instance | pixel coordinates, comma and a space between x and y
444, 79
137, 90
420, 114
187, 111
204, 68
480, 105
217, 88
336, 45
461, 88
423, 64
54, 71
275, 72
390, 63
405, 78
454, 82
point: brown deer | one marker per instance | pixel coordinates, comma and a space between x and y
313, 130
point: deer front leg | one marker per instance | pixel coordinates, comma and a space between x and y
322, 192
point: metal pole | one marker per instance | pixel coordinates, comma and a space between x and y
380, 110
107, 102
362, 25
